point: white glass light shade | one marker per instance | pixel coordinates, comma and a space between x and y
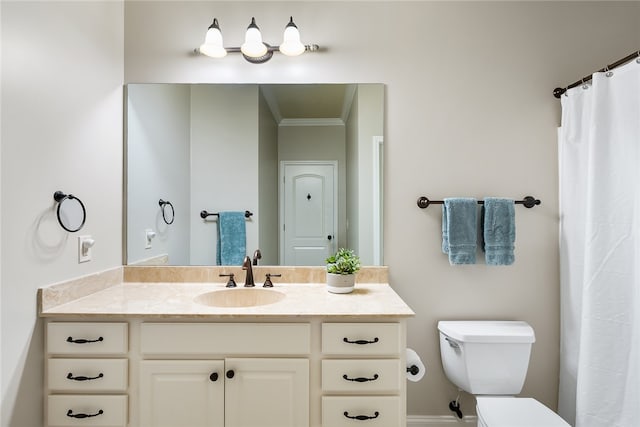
291, 45
212, 45
253, 45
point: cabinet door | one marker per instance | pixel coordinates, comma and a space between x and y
179, 393
267, 392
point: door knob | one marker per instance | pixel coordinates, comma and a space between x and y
329, 237
230, 373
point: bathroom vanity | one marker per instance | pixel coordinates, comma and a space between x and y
159, 354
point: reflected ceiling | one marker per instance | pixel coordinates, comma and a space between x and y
291, 102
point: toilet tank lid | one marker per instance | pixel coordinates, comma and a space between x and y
495, 331
516, 412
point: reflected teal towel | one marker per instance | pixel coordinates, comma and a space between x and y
232, 238
459, 230
499, 231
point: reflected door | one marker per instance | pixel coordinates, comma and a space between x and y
308, 212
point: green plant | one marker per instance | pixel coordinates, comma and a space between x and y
345, 261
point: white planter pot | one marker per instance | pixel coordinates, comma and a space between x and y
340, 283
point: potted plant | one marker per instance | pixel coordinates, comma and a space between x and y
341, 269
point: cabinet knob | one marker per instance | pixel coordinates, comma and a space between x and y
213, 376
230, 373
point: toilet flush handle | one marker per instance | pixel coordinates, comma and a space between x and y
453, 343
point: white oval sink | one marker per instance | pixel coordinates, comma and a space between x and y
240, 297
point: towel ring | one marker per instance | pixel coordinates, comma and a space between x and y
165, 212
71, 212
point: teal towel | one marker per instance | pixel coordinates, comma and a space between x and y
232, 238
499, 230
459, 230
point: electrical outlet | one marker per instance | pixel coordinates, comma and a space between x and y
149, 234
85, 243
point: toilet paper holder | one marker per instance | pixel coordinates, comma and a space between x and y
413, 369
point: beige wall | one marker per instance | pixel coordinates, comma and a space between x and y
158, 165
62, 109
267, 185
224, 125
469, 111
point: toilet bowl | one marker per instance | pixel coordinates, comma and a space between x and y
490, 359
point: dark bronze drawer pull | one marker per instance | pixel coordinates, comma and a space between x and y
360, 379
360, 342
72, 415
82, 378
83, 341
361, 417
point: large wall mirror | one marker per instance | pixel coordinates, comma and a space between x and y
306, 160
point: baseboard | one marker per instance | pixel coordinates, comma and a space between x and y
440, 421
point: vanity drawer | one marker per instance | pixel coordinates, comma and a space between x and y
106, 375
368, 339
79, 338
381, 411
60, 409
181, 339
361, 376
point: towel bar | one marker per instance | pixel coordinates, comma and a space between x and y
204, 214
528, 202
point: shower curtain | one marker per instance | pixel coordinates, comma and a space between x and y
599, 156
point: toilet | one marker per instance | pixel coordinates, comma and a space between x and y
489, 359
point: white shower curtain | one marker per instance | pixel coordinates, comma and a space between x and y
599, 154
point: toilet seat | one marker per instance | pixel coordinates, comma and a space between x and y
515, 412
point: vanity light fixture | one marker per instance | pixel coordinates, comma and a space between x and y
254, 49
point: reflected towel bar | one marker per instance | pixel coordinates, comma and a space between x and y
528, 202
204, 214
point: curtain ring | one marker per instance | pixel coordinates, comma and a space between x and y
585, 86
607, 72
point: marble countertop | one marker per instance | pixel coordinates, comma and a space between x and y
177, 300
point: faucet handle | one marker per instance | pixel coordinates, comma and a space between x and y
267, 281
256, 256
231, 283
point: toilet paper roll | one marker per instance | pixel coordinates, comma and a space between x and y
413, 361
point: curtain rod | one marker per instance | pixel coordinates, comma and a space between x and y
557, 92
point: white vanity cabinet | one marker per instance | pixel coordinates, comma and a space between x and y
362, 374
87, 375
253, 374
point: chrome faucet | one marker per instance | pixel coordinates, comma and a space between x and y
248, 280
256, 256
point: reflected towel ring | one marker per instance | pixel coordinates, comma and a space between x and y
165, 212
71, 211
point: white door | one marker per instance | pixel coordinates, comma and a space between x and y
267, 393
180, 393
308, 212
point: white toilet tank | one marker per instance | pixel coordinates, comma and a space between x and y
486, 357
